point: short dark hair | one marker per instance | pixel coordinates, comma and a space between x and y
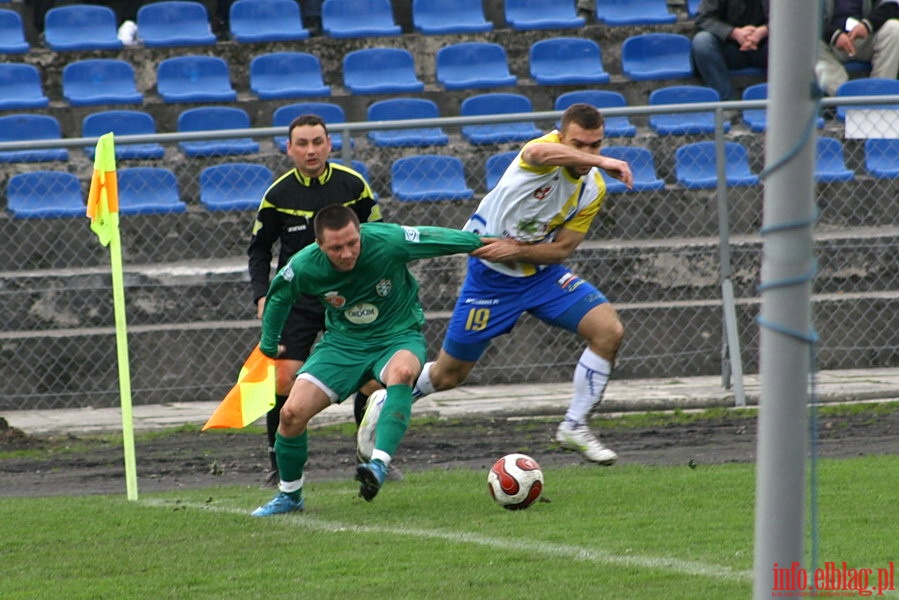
332, 218
307, 119
584, 115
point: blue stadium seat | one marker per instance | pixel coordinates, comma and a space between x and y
830, 163
498, 104
432, 17
651, 56
174, 23
633, 12
882, 157
25, 127
695, 165
496, 165
356, 165
287, 75
380, 71
234, 186
567, 61
642, 166
44, 195
20, 87
213, 118
615, 126
757, 118
194, 79
396, 109
359, 167
471, 65
868, 86
81, 27
358, 19
148, 191
428, 178
122, 122
100, 81
331, 113
12, 33
541, 14
857, 66
266, 21
689, 123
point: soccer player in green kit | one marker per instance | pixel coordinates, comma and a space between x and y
373, 321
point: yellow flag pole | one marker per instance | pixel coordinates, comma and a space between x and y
121, 332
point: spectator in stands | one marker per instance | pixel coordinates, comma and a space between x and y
730, 35
541, 209
285, 216
858, 30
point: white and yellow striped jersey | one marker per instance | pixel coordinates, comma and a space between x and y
531, 203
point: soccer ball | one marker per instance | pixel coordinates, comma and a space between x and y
515, 481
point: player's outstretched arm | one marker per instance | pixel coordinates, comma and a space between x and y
509, 250
561, 155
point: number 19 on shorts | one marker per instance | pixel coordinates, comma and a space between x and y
477, 319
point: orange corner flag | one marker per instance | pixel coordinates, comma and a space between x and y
252, 397
103, 198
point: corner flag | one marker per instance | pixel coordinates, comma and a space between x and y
103, 198
252, 397
103, 211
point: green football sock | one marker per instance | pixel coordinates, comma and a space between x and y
292, 453
394, 418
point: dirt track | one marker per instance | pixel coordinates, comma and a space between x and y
190, 459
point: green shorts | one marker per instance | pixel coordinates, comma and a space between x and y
340, 367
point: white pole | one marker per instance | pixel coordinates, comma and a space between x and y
787, 272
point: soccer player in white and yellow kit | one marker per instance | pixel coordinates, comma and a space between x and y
541, 210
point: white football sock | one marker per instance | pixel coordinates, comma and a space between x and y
381, 456
423, 386
590, 378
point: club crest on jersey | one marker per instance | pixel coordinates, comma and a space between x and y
383, 287
287, 273
543, 192
334, 299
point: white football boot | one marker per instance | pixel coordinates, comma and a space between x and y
579, 437
365, 436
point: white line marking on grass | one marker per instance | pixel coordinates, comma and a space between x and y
687, 567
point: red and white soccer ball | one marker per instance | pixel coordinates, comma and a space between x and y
515, 481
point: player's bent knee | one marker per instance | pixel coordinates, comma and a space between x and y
292, 421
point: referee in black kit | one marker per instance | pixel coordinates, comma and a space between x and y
285, 215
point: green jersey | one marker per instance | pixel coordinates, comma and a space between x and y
376, 299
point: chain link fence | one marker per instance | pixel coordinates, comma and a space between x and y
655, 252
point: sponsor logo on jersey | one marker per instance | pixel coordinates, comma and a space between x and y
335, 299
296, 228
287, 273
412, 234
383, 287
361, 314
482, 301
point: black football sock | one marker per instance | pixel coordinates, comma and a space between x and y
272, 419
